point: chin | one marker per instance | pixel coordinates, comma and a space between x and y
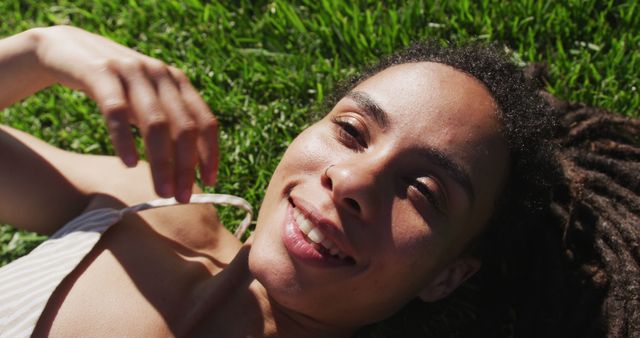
268, 259
276, 275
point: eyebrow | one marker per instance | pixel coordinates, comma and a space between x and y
453, 168
370, 107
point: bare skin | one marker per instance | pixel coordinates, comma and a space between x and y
158, 273
113, 273
382, 189
151, 273
402, 217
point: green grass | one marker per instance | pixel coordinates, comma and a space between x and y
265, 67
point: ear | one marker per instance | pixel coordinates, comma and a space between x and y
450, 278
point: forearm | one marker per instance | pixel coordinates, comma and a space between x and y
35, 194
20, 72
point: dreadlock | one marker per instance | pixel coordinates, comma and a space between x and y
561, 255
597, 209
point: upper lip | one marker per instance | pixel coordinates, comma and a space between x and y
329, 228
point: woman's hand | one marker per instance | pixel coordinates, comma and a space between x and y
178, 129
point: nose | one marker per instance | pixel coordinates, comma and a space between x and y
354, 185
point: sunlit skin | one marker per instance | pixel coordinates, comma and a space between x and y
402, 174
405, 214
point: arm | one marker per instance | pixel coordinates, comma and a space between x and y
28, 180
34, 196
43, 187
178, 129
20, 76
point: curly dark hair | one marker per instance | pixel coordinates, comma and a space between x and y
560, 254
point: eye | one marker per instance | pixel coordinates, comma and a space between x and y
428, 191
349, 132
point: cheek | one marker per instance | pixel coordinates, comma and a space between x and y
413, 247
305, 158
416, 251
410, 234
402, 273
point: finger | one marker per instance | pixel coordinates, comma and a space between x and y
159, 149
186, 159
184, 132
207, 124
208, 153
154, 126
108, 92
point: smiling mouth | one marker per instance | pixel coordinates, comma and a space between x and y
308, 240
314, 236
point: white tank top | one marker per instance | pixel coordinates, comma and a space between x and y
27, 283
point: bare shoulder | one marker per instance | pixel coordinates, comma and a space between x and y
44, 187
196, 226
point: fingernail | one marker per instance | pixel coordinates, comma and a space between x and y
185, 196
130, 161
166, 190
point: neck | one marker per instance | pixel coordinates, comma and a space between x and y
234, 304
287, 323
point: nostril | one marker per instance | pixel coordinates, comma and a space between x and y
326, 182
352, 203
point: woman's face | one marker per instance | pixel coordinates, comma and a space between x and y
399, 177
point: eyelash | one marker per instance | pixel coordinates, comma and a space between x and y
427, 194
349, 134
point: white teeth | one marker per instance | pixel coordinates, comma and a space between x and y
305, 226
315, 235
327, 244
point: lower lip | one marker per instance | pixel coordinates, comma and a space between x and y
303, 251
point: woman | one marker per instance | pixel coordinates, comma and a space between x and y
384, 200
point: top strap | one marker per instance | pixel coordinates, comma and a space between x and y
100, 219
217, 199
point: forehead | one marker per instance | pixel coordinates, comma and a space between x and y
415, 91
